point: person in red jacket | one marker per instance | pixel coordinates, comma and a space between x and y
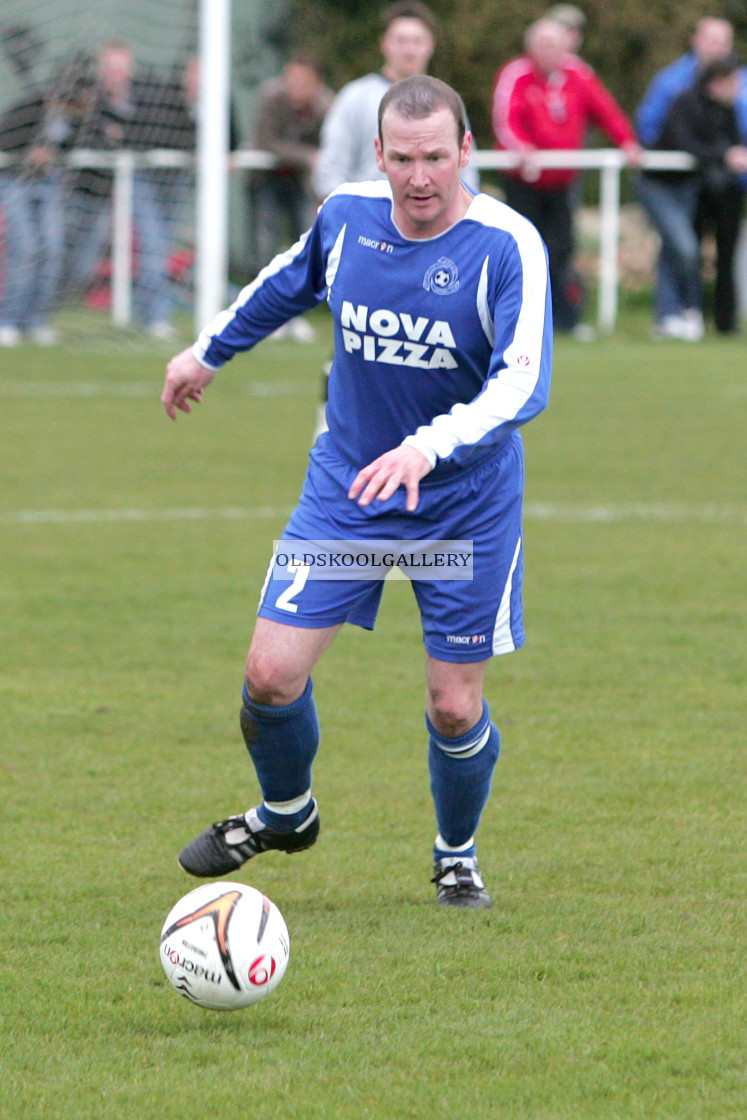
547, 98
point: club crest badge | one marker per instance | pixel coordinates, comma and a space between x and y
442, 278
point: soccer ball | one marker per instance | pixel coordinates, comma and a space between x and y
224, 946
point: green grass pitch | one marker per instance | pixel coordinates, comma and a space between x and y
607, 983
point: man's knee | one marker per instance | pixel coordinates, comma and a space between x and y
454, 695
270, 680
453, 712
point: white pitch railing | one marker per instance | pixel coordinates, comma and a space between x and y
609, 162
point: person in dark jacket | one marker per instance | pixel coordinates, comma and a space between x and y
290, 112
136, 112
703, 122
35, 132
721, 199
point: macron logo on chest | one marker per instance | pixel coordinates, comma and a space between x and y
427, 343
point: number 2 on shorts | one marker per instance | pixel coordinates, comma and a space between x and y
299, 582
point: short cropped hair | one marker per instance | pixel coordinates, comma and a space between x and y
568, 15
404, 10
718, 68
116, 43
309, 61
419, 96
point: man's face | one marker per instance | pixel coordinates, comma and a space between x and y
548, 46
301, 83
407, 46
115, 69
713, 39
422, 160
725, 90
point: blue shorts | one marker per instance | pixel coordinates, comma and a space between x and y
462, 620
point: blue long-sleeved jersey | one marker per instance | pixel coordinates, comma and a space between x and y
444, 343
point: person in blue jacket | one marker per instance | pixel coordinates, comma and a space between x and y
712, 40
443, 345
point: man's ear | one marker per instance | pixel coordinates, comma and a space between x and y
466, 149
379, 155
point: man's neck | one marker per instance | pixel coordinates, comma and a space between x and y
414, 232
392, 75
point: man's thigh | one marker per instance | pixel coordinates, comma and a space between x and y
292, 594
471, 620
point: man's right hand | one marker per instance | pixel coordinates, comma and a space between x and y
185, 380
736, 159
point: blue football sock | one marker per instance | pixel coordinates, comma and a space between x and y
461, 772
282, 743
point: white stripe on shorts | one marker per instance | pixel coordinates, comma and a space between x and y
503, 641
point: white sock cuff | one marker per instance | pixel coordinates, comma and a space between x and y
468, 749
442, 846
287, 808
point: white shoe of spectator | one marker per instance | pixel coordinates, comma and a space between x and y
163, 331
694, 325
582, 332
44, 336
673, 326
9, 336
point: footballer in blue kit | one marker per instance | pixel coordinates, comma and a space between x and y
443, 350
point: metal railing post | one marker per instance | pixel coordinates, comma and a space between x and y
609, 241
211, 234
124, 176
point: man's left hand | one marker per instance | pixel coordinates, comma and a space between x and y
404, 466
633, 153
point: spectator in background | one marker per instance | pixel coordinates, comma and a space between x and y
347, 153
574, 21
290, 111
89, 224
546, 99
713, 38
136, 113
166, 118
702, 121
711, 41
33, 134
